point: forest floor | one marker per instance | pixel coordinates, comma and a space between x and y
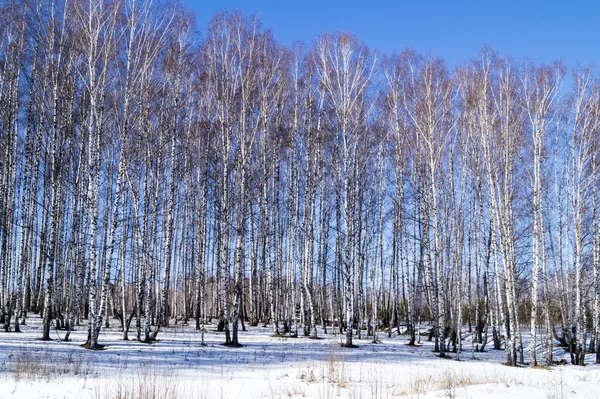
178, 366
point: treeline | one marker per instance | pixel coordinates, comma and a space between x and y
156, 176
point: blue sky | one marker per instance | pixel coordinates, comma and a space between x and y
455, 30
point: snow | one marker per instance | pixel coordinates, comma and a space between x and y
269, 367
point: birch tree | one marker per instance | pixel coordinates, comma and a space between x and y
540, 88
345, 68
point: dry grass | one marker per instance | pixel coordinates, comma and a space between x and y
559, 389
291, 389
331, 375
336, 378
30, 366
448, 382
336, 367
148, 383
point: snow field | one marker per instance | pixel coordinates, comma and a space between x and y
178, 366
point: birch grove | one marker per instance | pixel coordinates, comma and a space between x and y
152, 176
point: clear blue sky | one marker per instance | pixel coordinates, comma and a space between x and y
456, 30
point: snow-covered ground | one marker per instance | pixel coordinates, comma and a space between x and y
268, 367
